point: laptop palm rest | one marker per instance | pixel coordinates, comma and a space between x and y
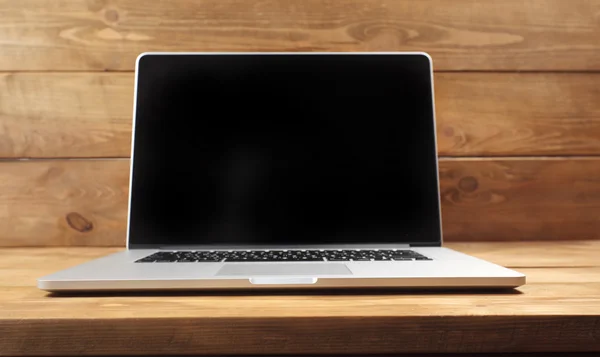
273, 273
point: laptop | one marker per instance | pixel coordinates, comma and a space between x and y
283, 171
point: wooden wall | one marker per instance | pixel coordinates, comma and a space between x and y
517, 85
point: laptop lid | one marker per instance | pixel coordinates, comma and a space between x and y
284, 149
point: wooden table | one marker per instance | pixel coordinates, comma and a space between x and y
558, 310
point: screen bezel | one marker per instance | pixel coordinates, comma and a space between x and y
433, 242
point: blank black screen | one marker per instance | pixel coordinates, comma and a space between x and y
284, 149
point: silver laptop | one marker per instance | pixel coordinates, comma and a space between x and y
283, 170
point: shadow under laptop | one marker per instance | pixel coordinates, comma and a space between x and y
292, 292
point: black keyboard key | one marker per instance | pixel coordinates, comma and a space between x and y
381, 258
149, 259
239, 259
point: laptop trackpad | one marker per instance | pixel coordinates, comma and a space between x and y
258, 269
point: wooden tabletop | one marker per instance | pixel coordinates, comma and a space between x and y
558, 310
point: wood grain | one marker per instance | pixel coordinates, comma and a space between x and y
506, 114
347, 335
558, 310
65, 115
518, 254
460, 34
84, 202
64, 202
520, 199
582, 300
89, 114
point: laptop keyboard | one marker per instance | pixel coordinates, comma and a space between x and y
282, 256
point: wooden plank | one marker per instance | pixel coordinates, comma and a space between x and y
460, 34
355, 335
64, 202
558, 310
563, 275
65, 115
518, 255
84, 202
520, 199
89, 114
533, 299
505, 114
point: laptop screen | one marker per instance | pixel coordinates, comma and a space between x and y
284, 149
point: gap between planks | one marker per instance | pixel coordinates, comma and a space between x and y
542, 71
441, 158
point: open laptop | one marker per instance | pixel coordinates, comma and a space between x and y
283, 170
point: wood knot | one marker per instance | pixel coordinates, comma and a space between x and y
468, 184
452, 195
79, 222
111, 15
448, 131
